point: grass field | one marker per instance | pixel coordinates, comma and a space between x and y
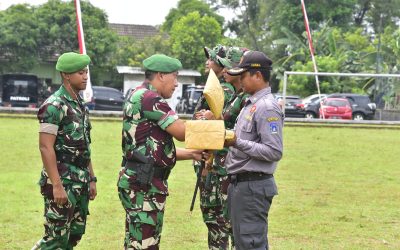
338, 189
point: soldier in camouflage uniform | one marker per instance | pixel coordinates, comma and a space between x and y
230, 113
67, 180
211, 203
149, 153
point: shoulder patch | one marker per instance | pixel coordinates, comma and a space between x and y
273, 128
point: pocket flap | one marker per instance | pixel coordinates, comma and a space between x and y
252, 228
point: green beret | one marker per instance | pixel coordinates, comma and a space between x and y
162, 63
71, 62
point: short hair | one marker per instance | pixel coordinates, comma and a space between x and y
149, 74
266, 74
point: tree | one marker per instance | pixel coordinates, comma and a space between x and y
18, 39
58, 33
187, 6
190, 34
132, 53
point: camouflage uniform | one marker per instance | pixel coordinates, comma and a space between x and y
65, 224
211, 198
146, 116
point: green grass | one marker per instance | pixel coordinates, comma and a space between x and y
338, 189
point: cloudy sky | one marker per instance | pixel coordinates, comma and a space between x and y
150, 12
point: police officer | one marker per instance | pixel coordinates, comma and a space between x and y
67, 180
149, 153
211, 201
254, 154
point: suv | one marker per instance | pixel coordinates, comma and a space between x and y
189, 99
292, 105
361, 105
106, 98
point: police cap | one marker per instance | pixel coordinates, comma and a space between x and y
251, 60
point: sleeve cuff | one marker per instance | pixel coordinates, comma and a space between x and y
48, 128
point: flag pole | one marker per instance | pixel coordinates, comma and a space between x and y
88, 92
310, 45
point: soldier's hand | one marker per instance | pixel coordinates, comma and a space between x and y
208, 115
230, 142
200, 115
59, 194
200, 155
92, 190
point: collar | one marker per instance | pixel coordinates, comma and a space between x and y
149, 86
258, 95
62, 91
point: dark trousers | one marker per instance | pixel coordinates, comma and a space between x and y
248, 204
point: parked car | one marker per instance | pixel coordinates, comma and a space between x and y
361, 105
312, 109
106, 98
19, 90
292, 105
336, 108
189, 99
309, 99
363, 108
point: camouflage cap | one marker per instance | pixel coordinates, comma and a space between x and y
233, 56
212, 54
72, 62
162, 63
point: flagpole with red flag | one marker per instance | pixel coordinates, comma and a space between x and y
310, 45
88, 92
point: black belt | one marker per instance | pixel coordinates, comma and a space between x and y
78, 161
249, 176
159, 173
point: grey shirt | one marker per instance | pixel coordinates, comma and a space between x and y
258, 130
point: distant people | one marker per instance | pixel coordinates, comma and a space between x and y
254, 154
149, 153
67, 180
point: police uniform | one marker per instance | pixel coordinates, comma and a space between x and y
147, 148
252, 161
68, 120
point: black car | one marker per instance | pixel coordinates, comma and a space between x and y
189, 99
106, 98
362, 106
292, 106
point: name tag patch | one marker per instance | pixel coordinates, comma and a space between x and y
273, 128
272, 119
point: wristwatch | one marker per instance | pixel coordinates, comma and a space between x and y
93, 178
